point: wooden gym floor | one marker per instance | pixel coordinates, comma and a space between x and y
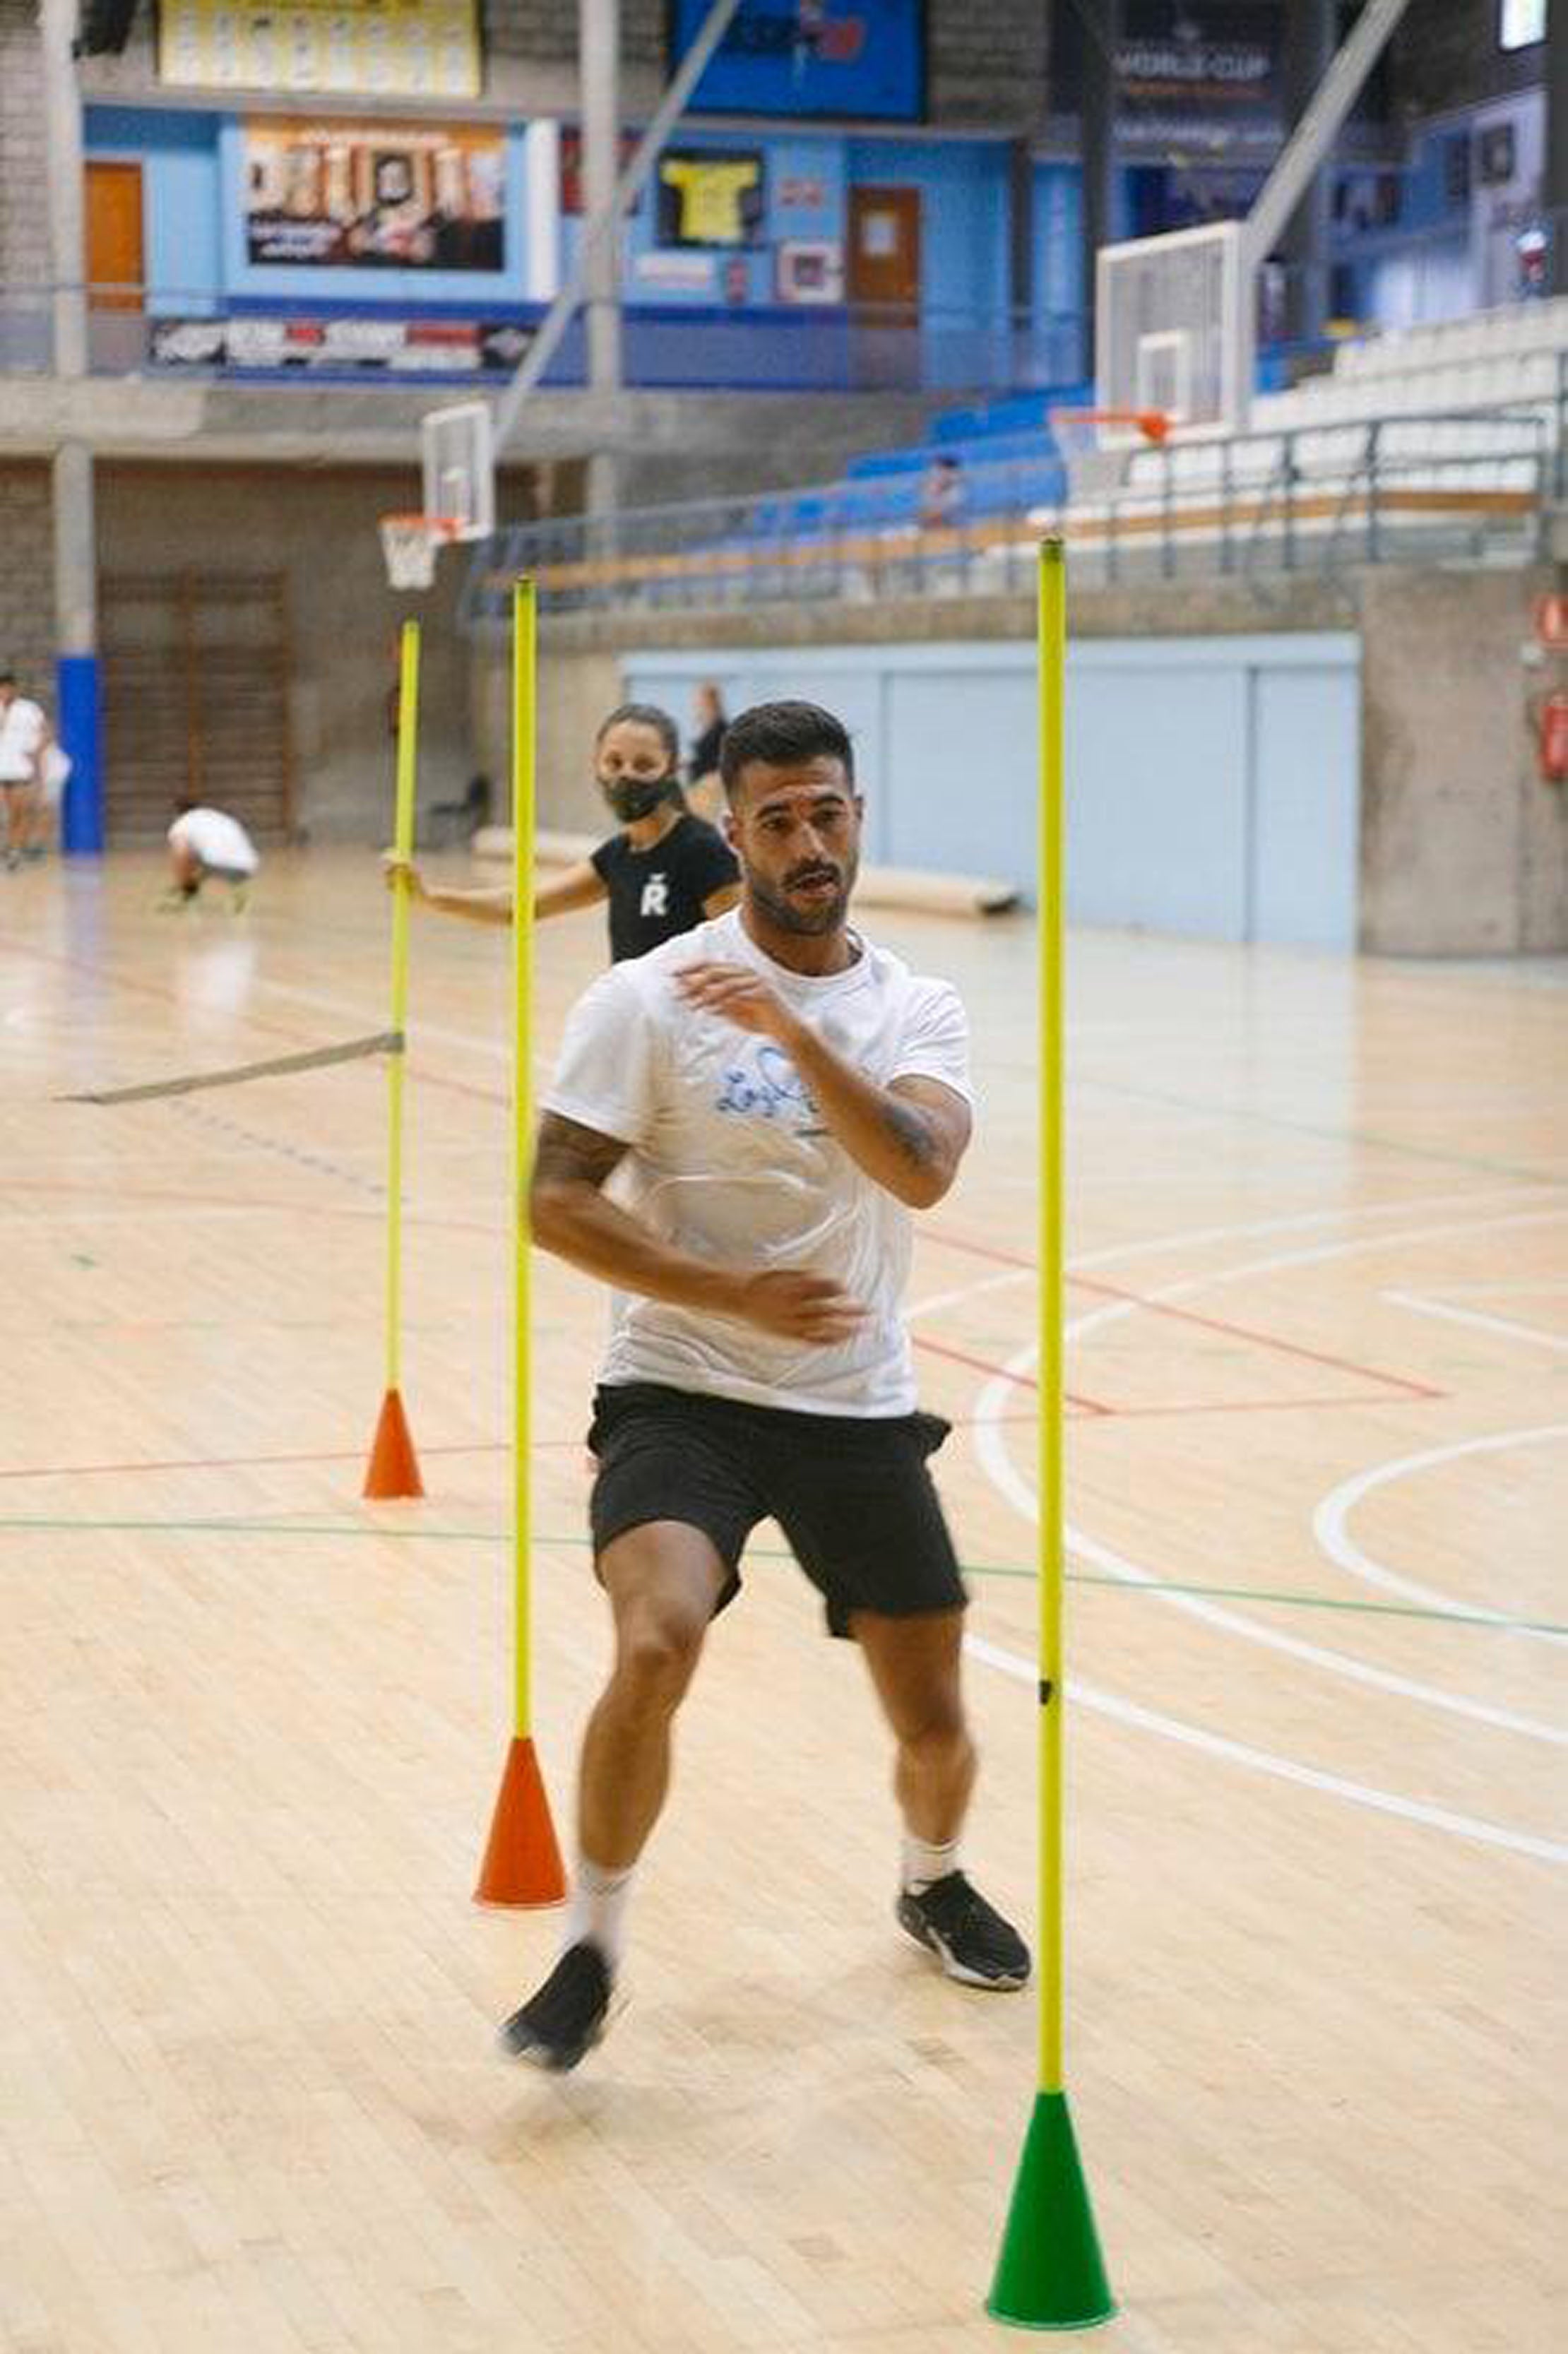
252, 1727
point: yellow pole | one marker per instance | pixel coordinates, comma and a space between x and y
1050, 2273
1052, 629
524, 714
403, 843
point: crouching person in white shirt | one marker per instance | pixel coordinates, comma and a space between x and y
203, 842
775, 1094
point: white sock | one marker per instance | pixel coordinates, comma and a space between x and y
923, 1862
598, 1915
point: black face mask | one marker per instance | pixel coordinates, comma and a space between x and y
635, 797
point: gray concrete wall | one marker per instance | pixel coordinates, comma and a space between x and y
1447, 54
24, 199
986, 68
26, 578
1464, 849
319, 529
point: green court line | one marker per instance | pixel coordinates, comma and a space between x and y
1288, 1599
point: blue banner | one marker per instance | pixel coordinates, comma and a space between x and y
845, 57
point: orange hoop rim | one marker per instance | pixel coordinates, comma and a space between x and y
1152, 423
433, 527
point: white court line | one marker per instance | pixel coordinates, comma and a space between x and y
1506, 1325
1114, 1309
1264, 1761
1328, 1521
991, 1447
1300, 1218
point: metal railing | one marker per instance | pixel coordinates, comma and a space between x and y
1473, 484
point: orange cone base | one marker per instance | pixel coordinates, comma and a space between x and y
394, 1467
522, 1863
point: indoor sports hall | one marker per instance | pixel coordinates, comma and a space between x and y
1138, 430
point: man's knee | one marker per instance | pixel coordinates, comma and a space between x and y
663, 1587
658, 1644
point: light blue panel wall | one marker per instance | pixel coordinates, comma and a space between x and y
408, 287
960, 762
1305, 808
1212, 783
839, 678
964, 226
180, 198
1157, 796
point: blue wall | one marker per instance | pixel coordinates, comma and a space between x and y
181, 204
1212, 783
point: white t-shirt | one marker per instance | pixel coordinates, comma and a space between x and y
23, 728
216, 839
731, 1162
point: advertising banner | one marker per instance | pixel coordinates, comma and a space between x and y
341, 346
384, 196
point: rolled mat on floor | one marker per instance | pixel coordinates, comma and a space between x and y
879, 887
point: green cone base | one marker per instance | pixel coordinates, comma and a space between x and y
1050, 2273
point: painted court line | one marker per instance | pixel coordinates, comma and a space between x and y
1283, 1769
1329, 1521
1506, 1325
1000, 1469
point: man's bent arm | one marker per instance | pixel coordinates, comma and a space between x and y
909, 1137
570, 1217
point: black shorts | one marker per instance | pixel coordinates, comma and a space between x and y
851, 1493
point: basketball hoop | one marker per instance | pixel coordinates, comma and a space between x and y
410, 543
1098, 445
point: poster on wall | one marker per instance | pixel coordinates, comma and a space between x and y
849, 58
710, 196
396, 48
384, 196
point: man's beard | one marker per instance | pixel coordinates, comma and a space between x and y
811, 921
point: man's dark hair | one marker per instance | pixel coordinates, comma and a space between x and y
8, 677
783, 736
642, 715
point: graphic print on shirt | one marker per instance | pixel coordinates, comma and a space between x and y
770, 1087
655, 897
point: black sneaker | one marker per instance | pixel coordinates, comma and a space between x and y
968, 1937
566, 2018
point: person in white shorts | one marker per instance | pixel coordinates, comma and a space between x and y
23, 744
775, 1093
203, 842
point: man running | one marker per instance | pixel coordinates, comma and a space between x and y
779, 1094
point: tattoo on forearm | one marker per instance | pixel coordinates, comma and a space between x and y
912, 1132
568, 1154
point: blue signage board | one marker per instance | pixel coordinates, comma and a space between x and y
848, 58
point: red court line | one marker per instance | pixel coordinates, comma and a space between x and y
1263, 1340
1246, 1406
976, 1250
250, 1462
1000, 1373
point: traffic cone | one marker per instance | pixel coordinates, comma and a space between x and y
394, 1467
1050, 2273
522, 1861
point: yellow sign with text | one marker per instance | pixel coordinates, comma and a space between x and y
387, 48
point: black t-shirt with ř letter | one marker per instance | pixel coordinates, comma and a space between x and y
656, 894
